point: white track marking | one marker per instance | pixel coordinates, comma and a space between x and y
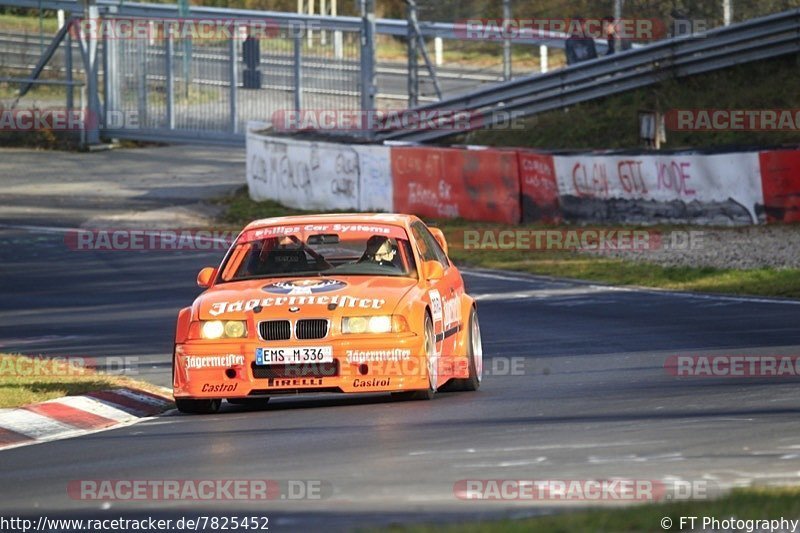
96, 407
542, 293
33, 424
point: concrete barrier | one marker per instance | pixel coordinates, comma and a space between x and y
511, 186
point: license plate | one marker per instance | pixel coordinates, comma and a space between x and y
294, 356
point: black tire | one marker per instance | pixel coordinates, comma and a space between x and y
474, 351
174, 356
430, 348
198, 407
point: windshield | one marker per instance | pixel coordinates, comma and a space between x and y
320, 250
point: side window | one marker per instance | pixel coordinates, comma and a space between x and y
429, 247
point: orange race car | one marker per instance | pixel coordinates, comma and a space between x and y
328, 303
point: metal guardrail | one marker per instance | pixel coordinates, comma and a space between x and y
754, 40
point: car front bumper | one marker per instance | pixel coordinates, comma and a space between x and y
386, 363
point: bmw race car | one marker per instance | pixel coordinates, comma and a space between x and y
328, 303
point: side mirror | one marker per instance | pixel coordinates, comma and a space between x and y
439, 236
206, 276
432, 270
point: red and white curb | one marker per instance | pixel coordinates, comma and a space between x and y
77, 415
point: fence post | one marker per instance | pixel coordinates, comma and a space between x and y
298, 71
413, 67
338, 42
141, 52
507, 40
727, 12
234, 77
170, 78
368, 89
543, 58
111, 75
89, 46
68, 67
106, 80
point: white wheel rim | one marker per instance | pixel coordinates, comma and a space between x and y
477, 348
433, 367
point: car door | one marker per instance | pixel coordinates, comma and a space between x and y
445, 293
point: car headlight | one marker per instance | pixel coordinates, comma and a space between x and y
374, 324
217, 329
235, 329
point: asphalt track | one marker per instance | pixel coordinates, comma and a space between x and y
592, 400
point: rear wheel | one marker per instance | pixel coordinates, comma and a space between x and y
198, 407
432, 370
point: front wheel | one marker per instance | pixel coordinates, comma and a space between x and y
432, 370
475, 355
198, 407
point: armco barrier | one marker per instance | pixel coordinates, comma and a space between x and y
312, 175
538, 188
721, 189
478, 184
780, 180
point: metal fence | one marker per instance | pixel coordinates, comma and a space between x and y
177, 84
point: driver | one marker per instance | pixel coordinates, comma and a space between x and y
380, 251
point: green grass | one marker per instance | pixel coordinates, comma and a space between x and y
475, 54
30, 24
56, 93
240, 210
25, 380
744, 504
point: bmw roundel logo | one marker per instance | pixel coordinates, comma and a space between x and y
304, 286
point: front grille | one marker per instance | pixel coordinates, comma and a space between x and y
316, 328
300, 370
275, 330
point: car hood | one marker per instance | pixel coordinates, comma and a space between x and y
298, 297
